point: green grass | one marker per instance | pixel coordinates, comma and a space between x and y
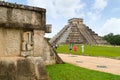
104, 51
71, 72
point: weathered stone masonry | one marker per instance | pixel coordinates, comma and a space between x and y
77, 32
18, 25
23, 50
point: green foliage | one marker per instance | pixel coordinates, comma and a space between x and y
47, 38
71, 72
104, 51
112, 39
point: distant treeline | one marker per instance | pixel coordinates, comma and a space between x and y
47, 38
112, 39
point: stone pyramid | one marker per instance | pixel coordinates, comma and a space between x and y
77, 32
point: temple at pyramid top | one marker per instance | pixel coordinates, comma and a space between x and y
76, 20
77, 32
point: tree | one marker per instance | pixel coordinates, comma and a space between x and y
112, 39
47, 38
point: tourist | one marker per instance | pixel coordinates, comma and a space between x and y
70, 48
75, 48
82, 48
56, 46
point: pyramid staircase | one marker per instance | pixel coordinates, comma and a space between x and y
77, 32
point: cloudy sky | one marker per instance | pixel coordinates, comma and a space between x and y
102, 16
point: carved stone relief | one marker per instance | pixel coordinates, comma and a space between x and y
27, 43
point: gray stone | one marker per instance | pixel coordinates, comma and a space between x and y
23, 55
31, 68
77, 32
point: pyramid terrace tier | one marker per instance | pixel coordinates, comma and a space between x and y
77, 32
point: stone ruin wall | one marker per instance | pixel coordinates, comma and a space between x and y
20, 68
21, 17
13, 23
11, 45
50, 56
23, 50
10, 40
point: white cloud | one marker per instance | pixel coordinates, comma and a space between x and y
55, 8
100, 4
48, 4
68, 8
95, 12
93, 16
111, 26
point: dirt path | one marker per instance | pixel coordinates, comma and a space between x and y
95, 63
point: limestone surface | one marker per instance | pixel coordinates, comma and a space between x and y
18, 68
23, 50
77, 32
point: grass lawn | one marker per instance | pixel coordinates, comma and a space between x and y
104, 51
71, 72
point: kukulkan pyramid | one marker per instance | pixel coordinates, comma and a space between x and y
77, 32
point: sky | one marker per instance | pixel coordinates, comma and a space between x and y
102, 16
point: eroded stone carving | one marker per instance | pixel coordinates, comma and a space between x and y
27, 43
22, 30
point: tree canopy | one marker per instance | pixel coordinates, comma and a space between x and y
112, 39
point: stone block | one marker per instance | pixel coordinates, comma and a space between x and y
38, 42
8, 70
30, 68
48, 28
21, 16
10, 42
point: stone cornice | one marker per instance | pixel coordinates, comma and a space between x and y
20, 6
